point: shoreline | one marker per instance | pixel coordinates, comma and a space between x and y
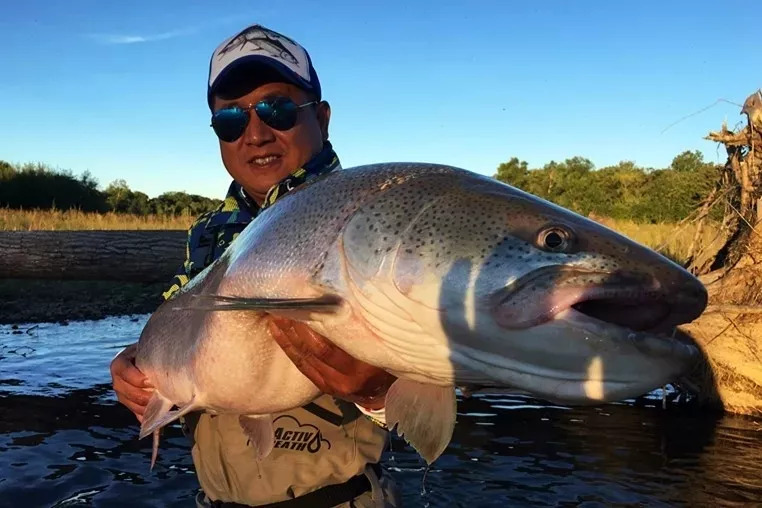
37, 301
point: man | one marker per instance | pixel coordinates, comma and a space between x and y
272, 127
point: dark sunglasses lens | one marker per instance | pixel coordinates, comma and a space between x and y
230, 123
278, 113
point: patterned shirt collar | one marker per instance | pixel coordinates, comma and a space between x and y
239, 208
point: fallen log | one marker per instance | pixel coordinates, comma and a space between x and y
135, 256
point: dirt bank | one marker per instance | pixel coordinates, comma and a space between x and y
30, 300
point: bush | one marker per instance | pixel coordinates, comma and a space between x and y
38, 186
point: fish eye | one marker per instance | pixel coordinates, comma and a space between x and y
555, 239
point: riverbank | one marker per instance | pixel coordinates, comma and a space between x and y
34, 301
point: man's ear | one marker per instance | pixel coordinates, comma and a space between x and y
324, 118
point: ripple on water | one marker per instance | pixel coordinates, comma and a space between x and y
50, 359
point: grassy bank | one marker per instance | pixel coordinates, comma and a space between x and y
58, 220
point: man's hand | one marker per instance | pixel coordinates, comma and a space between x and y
331, 369
132, 388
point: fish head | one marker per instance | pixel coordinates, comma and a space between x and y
547, 300
565, 263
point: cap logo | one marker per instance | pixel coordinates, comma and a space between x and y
262, 46
261, 39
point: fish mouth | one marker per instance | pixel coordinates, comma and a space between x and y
634, 301
642, 313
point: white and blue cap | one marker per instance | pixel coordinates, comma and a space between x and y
257, 48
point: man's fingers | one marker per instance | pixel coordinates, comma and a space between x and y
313, 345
131, 392
312, 373
295, 352
331, 369
122, 367
133, 376
318, 346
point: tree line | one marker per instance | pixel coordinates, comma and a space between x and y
623, 191
38, 186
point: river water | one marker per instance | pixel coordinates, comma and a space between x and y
65, 441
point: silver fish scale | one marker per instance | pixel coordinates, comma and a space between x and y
292, 238
376, 230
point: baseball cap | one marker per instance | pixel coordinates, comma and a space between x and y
257, 47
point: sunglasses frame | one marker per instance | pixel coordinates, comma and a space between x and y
253, 107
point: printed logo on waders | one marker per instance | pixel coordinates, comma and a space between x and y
292, 435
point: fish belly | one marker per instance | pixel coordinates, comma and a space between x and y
239, 368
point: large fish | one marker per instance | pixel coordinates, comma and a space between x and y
438, 275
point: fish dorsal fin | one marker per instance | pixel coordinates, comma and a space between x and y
424, 415
325, 303
259, 429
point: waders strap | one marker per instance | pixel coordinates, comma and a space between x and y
326, 497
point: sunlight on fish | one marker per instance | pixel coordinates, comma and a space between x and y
594, 383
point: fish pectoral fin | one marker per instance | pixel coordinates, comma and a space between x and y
325, 303
424, 415
259, 429
158, 413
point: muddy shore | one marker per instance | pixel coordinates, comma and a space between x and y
35, 301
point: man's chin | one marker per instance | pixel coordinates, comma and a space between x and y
262, 177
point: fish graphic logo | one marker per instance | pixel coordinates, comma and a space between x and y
262, 39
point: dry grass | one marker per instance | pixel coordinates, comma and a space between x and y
53, 220
670, 239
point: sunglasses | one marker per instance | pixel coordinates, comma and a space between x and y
278, 113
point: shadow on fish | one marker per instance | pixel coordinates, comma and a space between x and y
440, 276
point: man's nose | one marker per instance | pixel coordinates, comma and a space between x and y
257, 132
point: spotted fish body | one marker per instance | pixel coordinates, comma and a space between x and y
446, 278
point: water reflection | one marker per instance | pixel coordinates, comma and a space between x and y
64, 441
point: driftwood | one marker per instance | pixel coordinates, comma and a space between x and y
730, 331
135, 256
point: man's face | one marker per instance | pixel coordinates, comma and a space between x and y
263, 156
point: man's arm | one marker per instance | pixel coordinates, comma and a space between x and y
333, 370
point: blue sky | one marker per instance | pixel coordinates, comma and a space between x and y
119, 88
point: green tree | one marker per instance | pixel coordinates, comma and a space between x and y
622, 191
6, 170
37, 185
688, 162
118, 196
513, 172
